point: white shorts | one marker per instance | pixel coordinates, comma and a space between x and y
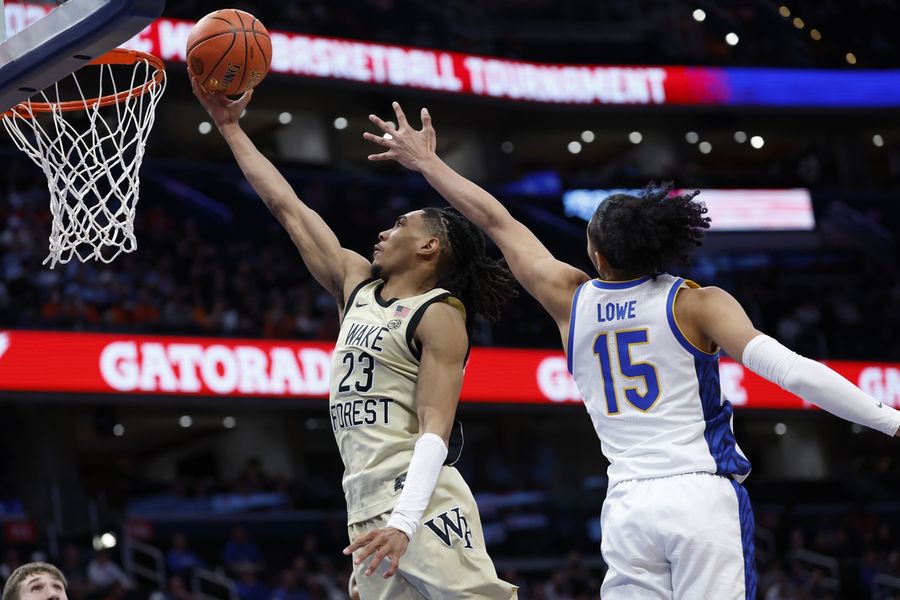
686, 537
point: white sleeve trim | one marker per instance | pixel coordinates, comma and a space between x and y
421, 479
817, 384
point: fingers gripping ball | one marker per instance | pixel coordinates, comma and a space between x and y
229, 52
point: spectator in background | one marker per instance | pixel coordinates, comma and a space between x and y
310, 551
10, 563
75, 572
177, 589
252, 477
249, 587
289, 588
324, 584
240, 553
104, 575
181, 560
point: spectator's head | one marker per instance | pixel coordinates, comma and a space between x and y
71, 555
12, 557
178, 589
239, 535
247, 576
179, 541
299, 566
288, 579
35, 581
310, 544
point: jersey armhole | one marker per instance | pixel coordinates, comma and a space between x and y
457, 442
673, 322
571, 337
414, 322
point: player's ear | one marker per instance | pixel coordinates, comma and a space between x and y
600, 262
430, 248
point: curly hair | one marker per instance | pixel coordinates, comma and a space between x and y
643, 234
481, 283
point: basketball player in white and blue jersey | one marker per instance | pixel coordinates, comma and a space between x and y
643, 349
397, 370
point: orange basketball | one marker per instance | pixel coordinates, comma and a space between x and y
229, 51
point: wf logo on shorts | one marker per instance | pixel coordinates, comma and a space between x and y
449, 525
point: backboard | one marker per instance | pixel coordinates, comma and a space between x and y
68, 36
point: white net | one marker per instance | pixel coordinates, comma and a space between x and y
91, 151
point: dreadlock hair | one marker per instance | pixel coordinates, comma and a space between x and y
643, 234
481, 283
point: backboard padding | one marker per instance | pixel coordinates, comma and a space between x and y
65, 40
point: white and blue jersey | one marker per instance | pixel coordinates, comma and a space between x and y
653, 397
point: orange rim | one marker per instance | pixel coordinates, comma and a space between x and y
117, 56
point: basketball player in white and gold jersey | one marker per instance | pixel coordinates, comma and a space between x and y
643, 349
396, 377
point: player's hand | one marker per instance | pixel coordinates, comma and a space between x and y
410, 147
384, 543
222, 110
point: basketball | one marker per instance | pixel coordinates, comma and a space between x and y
229, 52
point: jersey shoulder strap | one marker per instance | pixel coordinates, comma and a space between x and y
371, 282
435, 295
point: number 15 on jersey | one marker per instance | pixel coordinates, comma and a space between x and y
628, 377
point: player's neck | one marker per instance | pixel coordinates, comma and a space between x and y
609, 274
405, 285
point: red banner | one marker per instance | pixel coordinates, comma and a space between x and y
449, 72
19, 531
118, 364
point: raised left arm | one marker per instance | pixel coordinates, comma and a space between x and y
442, 337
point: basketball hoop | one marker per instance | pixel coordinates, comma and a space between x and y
91, 157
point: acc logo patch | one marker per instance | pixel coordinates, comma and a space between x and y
394, 324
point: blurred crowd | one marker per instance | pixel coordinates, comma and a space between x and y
244, 278
179, 281
812, 556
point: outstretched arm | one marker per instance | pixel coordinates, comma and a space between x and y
335, 268
719, 318
550, 281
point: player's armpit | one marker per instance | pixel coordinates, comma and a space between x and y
713, 315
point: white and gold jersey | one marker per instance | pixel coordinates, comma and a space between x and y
374, 373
